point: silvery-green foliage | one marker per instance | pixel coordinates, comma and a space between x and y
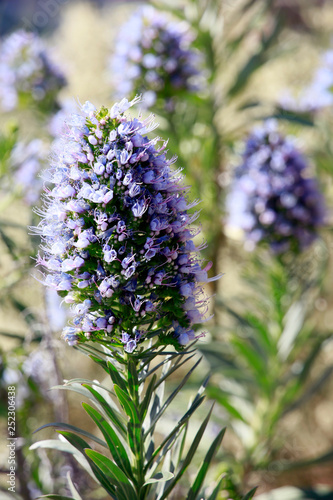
130, 463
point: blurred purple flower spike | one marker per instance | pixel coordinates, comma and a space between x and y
154, 56
272, 199
27, 70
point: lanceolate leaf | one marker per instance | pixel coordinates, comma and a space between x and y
134, 426
120, 455
133, 382
147, 398
172, 396
82, 445
65, 446
175, 367
195, 489
100, 362
254, 361
160, 477
255, 61
13, 335
313, 389
73, 428
127, 404
115, 475
116, 376
113, 415
75, 388
250, 494
213, 496
88, 382
223, 400
173, 434
188, 457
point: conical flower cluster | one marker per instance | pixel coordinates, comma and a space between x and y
154, 56
116, 238
272, 198
27, 72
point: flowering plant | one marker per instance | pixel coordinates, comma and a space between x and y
116, 239
272, 199
154, 55
27, 72
117, 247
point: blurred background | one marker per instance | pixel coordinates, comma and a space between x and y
243, 89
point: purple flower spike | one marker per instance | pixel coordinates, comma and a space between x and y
26, 161
272, 198
153, 56
126, 263
27, 71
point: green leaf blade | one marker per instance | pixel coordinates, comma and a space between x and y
110, 469
195, 488
115, 446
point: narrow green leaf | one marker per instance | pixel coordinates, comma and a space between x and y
54, 444
195, 488
312, 390
313, 354
172, 396
250, 494
254, 62
300, 118
202, 388
100, 362
167, 467
118, 478
214, 494
147, 397
113, 415
175, 367
117, 379
12, 335
133, 382
222, 399
88, 382
81, 445
147, 372
89, 350
9, 243
160, 477
189, 456
65, 446
74, 388
255, 362
134, 426
154, 408
116, 447
73, 428
128, 405
182, 442
168, 441
261, 333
